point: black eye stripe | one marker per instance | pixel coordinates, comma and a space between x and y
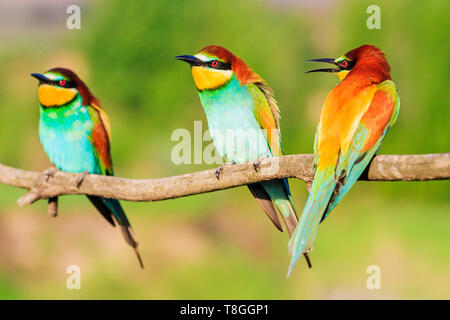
220, 65
68, 84
349, 65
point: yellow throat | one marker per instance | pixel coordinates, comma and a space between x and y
209, 79
342, 74
50, 96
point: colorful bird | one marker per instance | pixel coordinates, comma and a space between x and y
75, 133
243, 118
353, 122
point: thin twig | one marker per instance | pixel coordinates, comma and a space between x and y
53, 207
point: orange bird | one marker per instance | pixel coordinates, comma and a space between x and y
354, 120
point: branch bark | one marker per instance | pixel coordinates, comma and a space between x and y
383, 168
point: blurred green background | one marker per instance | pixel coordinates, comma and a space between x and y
220, 245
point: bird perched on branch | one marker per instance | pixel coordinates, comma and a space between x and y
353, 122
75, 133
243, 118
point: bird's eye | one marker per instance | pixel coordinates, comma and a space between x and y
62, 83
344, 64
214, 63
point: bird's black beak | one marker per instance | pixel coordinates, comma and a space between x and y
193, 61
326, 60
41, 78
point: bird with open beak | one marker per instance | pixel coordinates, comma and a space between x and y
354, 120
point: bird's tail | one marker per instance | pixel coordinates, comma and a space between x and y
266, 203
303, 237
279, 192
112, 210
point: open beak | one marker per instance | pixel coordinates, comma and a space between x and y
193, 61
326, 60
41, 78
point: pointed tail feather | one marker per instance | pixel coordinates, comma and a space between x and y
304, 235
129, 237
279, 192
103, 209
265, 202
288, 214
112, 211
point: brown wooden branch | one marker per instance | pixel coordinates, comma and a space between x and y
45, 186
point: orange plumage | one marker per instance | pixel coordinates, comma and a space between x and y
350, 100
354, 120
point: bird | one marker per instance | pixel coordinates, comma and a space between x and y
75, 133
241, 110
354, 120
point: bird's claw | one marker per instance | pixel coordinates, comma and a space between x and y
257, 163
49, 173
80, 178
219, 170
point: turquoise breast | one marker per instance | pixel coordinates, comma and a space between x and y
65, 134
230, 113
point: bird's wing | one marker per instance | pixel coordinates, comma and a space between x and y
374, 124
101, 137
345, 147
267, 115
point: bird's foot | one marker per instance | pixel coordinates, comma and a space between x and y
257, 163
219, 170
80, 178
49, 173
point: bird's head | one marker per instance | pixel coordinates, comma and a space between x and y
60, 86
367, 59
215, 66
